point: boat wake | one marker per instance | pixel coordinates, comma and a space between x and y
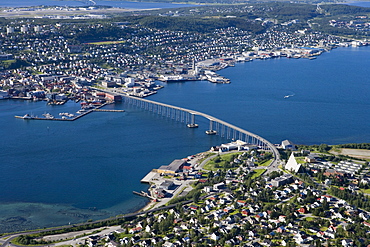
288, 96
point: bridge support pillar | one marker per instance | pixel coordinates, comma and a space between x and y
211, 131
192, 123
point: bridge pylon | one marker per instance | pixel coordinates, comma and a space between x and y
192, 123
211, 131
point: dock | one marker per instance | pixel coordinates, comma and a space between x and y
106, 110
69, 119
55, 119
143, 194
149, 177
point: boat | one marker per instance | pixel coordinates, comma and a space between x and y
287, 96
81, 111
172, 78
48, 115
96, 103
89, 106
27, 116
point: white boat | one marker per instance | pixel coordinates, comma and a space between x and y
27, 116
287, 96
81, 111
48, 115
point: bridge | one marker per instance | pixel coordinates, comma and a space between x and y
216, 126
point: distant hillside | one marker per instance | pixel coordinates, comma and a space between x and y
238, 1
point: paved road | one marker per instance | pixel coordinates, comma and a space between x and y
6, 240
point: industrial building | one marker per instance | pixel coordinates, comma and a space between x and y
172, 168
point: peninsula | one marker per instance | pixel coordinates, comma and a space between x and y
238, 198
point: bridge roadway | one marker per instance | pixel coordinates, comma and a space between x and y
270, 146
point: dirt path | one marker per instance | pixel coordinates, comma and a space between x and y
357, 153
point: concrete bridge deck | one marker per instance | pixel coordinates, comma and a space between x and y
212, 119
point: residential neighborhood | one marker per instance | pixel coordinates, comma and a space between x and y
237, 206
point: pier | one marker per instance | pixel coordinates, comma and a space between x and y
70, 119
106, 110
55, 119
143, 194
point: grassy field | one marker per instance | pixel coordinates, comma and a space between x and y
220, 162
266, 163
365, 191
300, 160
309, 218
258, 172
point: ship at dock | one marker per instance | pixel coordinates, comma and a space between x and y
178, 78
215, 78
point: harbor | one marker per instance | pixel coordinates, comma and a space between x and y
81, 113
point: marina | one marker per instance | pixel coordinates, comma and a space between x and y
72, 117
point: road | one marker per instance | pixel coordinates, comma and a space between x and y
6, 239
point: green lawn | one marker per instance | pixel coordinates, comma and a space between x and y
323, 228
223, 162
266, 163
124, 235
365, 191
258, 172
210, 166
300, 160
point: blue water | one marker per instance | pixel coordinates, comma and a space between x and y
54, 172
74, 3
68, 168
360, 4
330, 104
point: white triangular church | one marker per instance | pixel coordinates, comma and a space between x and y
292, 165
